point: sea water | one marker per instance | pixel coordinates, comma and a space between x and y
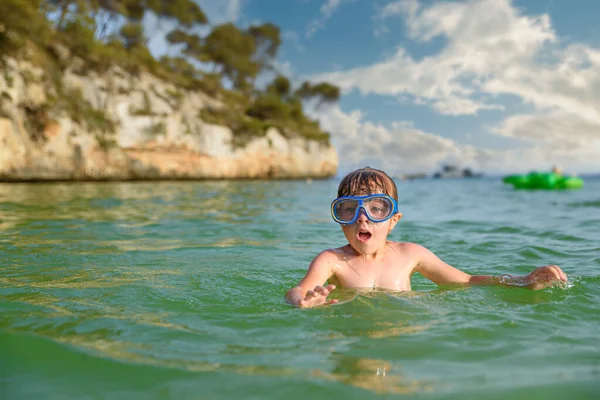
175, 290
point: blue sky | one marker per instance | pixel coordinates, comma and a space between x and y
496, 85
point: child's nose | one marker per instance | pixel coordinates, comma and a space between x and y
362, 216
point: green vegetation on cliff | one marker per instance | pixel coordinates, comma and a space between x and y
107, 33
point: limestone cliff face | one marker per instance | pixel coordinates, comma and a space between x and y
153, 131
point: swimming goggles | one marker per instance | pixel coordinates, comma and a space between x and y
377, 207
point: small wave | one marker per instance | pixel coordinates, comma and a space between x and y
465, 223
485, 247
502, 229
540, 252
579, 204
561, 236
589, 223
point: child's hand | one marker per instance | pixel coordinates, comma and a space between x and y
317, 297
545, 276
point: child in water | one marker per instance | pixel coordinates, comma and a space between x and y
367, 210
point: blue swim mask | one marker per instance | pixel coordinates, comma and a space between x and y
377, 208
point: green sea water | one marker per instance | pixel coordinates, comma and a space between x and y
174, 290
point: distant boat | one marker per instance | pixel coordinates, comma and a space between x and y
452, 171
543, 180
410, 177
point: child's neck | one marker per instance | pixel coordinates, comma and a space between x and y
374, 256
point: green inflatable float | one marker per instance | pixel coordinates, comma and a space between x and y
543, 180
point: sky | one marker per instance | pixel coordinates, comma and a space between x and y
498, 86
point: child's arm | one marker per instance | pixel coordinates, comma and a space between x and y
309, 292
436, 270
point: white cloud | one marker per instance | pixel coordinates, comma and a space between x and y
485, 39
571, 85
221, 11
390, 10
327, 10
566, 129
405, 149
430, 81
398, 8
490, 49
284, 68
402, 148
460, 106
293, 38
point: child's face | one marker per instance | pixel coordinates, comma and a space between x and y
368, 237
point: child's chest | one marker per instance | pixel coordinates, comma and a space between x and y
391, 273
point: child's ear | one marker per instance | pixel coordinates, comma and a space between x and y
395, 220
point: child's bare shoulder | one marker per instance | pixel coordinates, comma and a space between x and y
408, 248
332, 254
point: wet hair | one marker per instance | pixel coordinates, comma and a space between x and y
367, 181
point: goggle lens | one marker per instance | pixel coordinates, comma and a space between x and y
377, 209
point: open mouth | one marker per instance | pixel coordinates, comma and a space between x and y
364, 236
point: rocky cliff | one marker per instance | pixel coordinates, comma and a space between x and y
119, 126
